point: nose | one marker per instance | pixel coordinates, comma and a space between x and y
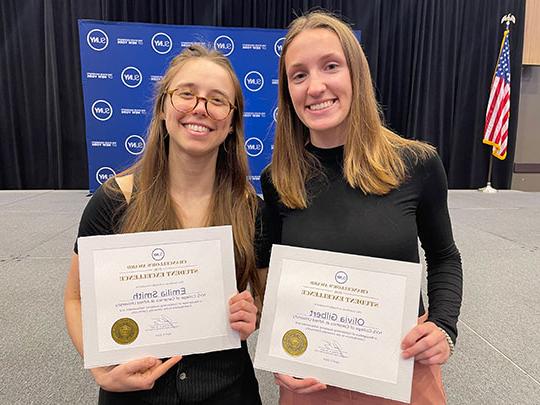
200, 107
316, 85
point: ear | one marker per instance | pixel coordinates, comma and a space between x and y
162, 108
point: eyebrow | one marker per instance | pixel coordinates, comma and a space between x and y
193, 85
328, 55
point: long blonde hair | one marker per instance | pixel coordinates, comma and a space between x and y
372, 158
233, 201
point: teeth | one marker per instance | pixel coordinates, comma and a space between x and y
321, 105
196, 128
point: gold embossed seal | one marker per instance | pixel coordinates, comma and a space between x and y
124, 331
294, 342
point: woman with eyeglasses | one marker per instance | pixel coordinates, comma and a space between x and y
193, 173
340, 181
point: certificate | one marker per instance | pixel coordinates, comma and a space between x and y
339, 318
156, 294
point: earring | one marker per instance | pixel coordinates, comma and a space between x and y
225, 147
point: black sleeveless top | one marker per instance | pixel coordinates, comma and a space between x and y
220, 378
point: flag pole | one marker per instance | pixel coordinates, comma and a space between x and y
507, 19
488, 188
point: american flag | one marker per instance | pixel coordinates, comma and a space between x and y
498, 109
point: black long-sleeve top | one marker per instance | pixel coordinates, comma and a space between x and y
340, 218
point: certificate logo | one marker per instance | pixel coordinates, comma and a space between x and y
158, 254
124, 331
294, 342
341, 277
161, 43
274, 114
97, 40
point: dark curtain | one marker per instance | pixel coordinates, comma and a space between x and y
432, 63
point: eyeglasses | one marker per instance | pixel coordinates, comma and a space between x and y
184, 101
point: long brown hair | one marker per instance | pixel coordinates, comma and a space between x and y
373, 161
233, 201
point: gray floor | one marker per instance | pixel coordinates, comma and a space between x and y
498, 353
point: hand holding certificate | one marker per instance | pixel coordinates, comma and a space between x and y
156, 294
339, 318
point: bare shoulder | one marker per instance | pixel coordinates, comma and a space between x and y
125, 183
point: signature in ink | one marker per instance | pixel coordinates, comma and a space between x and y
332, 348
162, 322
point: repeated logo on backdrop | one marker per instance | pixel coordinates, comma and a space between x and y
254, 146
104, 173
135, 144
278, 46
97, 39
102, 110
161, 43
224, 44
131, 77
254, 81
123, 62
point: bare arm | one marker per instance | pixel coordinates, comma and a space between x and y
72, 304
132, 376
263, 274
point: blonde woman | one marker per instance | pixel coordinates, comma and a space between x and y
340, 181
193, 174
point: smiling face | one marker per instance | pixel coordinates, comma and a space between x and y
195, 133
319, 84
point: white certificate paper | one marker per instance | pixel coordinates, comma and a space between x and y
156, 294
339, 318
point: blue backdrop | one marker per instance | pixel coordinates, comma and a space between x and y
121, 62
